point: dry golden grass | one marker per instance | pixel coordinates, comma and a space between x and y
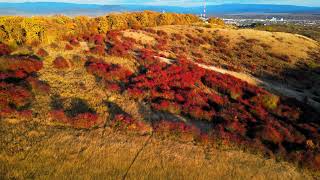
75, 82
33, 151
293, 45
140, 36
281, 43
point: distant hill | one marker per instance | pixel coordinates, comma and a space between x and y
50, 8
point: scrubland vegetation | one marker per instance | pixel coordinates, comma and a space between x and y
34, 30
150, 81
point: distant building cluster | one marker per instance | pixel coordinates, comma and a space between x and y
249, 20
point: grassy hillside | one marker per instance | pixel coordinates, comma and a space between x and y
312, 32
177, 90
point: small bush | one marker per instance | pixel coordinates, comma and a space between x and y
98, 49
4, 49
68, 47
74, 42
270, 101
42, 52
61, 63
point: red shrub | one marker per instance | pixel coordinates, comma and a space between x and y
129, 40
38, 85
113, 36
68, 47
120, 50
19, 74
122, 121
82, 120
152, 31
269, 133
23, 63
146, 57
176, 127
176, 37
85, 120
162, 33
109, 72
14, 98
162, 44
4, 49
74, 42
59, 116
98, 49
163, 83
15, 91
61, 63
99, 39
42, 52
112, 74
25, 114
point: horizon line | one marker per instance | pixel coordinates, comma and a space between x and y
99, 4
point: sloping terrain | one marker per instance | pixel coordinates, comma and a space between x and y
196, 85
30, 150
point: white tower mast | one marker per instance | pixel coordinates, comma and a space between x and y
204, 8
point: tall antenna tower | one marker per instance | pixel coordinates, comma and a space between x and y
204, 8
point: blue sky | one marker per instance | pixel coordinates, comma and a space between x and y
181, 2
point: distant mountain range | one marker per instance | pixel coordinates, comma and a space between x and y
51, 8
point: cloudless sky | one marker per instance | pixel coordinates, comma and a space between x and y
180, 2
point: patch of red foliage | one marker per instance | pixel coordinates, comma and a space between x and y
15, 90
176, 37
147, 57
74, 42
25, 64
68, 47
173, 88
61, 63
112, 74
13, 95
162, 33
42, 52
38, 85
120, 49
237, 108
162, 43
113, 35
83, 120
176, 127
120, 46
98, 49
98, 39
4, 49
125, 122
149, 30
178, 50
